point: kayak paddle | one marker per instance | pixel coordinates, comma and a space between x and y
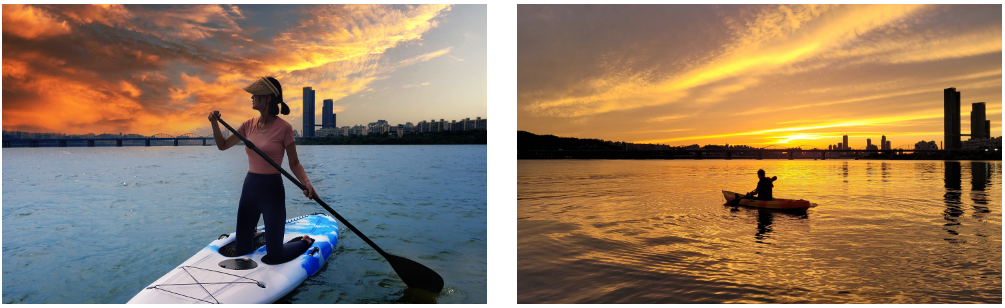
412, 273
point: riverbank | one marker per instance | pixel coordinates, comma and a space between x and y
447, 137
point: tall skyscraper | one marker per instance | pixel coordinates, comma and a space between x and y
951, 119
977, 122
846, 147
308, 112
327, 116
987, 128
882, 143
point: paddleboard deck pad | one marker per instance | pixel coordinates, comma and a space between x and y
215, 275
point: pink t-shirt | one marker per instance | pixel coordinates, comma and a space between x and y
272, 142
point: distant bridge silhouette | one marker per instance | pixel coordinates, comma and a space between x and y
92, 142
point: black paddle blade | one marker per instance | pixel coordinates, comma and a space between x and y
416, 275
736, 199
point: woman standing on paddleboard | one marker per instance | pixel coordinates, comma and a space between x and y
263, 192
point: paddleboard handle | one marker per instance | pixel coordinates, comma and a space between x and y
261, 284
223, 236
313, 251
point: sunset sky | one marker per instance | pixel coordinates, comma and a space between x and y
151, 69
755, 74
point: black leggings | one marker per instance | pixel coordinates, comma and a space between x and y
263, 194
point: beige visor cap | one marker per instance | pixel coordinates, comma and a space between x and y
262, 86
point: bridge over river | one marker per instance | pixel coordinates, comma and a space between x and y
131, 141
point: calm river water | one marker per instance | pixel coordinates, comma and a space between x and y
96, 225
657, 231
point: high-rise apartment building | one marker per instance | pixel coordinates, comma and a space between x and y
987, 128
977, 121
328, 114
308, 112
846, 147
951, 119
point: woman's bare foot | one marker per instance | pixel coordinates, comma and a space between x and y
309, 240
259, 233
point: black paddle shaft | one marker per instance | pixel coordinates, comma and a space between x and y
412, 273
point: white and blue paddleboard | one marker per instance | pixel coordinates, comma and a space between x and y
212, 277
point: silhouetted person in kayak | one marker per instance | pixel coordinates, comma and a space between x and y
263, 194
763, 190
764, 185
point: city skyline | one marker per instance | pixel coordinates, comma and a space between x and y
227, 132
762, 75
151, 69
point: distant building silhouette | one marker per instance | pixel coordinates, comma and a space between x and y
977, 122
987, 128
308, 112
923, 145
951, 113
380, 127
328, 114
985, 143
846, 147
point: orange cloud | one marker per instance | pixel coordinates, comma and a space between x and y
106, 14
340, 33
197, 21
30, 22
425, 57
778, 38
14, 68
75, 104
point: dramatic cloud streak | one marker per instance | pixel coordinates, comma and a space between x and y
728, 72
160, 69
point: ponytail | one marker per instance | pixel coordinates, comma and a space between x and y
274, 106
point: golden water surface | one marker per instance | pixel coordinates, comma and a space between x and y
657, 231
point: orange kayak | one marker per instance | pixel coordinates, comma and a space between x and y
777, 203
